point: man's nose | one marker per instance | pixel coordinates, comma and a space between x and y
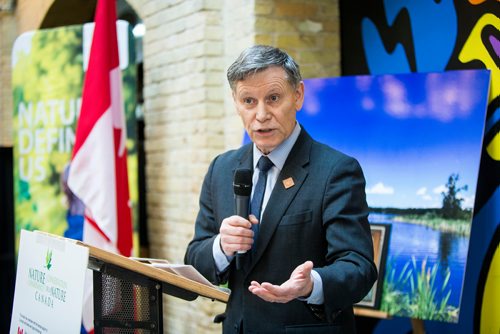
262, 112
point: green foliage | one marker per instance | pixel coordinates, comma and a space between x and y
452, 204
58, 69
421, 302
395, 301
436, 221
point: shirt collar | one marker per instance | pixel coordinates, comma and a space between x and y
279, 154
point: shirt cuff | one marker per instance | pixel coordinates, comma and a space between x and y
221, 260
316, 297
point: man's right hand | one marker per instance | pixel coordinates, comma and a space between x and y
236, 234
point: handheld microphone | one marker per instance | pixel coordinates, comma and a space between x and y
242, 187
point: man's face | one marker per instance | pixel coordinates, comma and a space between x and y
267, 105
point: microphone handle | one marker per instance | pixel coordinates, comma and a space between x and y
241, 204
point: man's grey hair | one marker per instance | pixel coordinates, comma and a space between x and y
260, 57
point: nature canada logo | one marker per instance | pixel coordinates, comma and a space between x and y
48, 288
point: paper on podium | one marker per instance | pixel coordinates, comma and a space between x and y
183, 270
177, 285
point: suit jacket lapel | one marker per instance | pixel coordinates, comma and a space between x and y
281, 197
246, 158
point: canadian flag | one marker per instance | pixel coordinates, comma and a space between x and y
98, 173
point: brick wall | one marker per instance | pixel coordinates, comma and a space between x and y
308, 30
239, 33
8, 28
184, 112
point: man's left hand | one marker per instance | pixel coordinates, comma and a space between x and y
300, 284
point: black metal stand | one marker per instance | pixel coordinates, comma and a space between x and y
125, 302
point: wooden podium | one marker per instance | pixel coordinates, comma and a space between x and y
128, 293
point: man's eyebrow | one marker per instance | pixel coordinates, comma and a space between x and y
275, 90
243, 93
275, 87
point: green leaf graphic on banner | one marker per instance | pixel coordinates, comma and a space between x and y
48, 259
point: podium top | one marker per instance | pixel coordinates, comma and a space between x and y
158, 274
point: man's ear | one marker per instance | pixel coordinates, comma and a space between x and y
299, 96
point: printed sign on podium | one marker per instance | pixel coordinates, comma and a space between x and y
49, 285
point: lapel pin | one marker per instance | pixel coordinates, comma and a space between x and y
288, 183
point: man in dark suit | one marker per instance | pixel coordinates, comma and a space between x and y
312, 257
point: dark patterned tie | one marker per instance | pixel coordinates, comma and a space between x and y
264, 165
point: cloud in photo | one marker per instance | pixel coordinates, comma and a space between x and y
468, 201
380, 189
396, 100
440, 189
422, 192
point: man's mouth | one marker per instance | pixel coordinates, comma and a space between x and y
263, 131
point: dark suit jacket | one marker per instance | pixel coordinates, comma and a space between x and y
322, 218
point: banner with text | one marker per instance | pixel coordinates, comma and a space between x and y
47, 78
49, 285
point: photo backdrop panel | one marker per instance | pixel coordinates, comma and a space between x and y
418, 138
47, 80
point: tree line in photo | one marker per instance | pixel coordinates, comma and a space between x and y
450, 217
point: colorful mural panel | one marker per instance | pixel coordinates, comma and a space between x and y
389, 36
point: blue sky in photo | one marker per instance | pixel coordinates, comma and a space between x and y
408, 131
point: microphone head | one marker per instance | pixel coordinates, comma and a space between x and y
242, 182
